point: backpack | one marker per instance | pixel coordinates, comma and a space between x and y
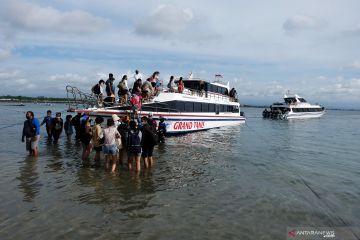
134, 142
96, 89
123, 129
122, 86
57, 125
154, 134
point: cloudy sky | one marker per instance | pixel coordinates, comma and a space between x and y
263, 48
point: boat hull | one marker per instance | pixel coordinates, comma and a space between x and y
177, 122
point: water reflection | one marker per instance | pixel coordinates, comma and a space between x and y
28, 178
125, 192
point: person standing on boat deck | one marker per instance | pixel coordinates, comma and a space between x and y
123, 129
31, 131
47, 120
171, 85
57, 127
110, 149
149, 140
147, 89
134, 146
137, 75
110, 89
85, 136
181, 85
68, 127
96, 138
123, 90
137, 87
98, 90
154, 78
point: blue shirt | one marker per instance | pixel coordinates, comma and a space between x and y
47, 120
36, 123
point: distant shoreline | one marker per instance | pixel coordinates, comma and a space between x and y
23, 99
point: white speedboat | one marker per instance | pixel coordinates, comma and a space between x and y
294, 107
202, 105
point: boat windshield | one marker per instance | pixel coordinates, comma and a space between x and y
290, 100
302, 100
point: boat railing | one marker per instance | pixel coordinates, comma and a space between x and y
77, 98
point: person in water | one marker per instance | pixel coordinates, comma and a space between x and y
97, 137
134, 146
68, 127
85, 136
76, 123
162, 129
149, 140
31, 131
57, 127
110, 149
47, 120
123, 129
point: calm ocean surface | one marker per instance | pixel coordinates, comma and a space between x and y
242, 182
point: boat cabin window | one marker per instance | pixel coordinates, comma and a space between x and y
179, 106
204, 86
307, 109
302, 100
290, 100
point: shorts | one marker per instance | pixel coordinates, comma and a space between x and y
147, 151
32, 143
98, 149
110, 149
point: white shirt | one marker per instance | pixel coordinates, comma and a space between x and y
138, 76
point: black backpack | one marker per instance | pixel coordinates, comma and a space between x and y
154, 134
134, 142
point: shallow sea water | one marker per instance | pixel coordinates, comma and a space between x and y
240, 182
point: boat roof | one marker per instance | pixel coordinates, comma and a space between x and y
291, 96
216, 82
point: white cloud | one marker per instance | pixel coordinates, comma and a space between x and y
301, 22
170, 21
354, 32
345, 88
31, 17
166, 19
355, 64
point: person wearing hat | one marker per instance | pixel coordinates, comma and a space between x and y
116, 120
97, 137
110, 149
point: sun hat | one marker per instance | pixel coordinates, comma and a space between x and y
115, 117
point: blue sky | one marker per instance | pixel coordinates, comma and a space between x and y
263, 48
